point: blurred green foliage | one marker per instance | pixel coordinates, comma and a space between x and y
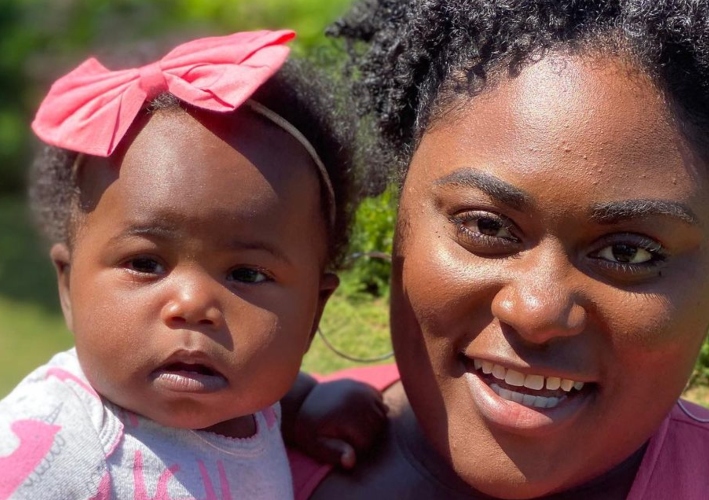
700, 376
369, 263
43, 39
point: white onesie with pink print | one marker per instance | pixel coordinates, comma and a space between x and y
60, 440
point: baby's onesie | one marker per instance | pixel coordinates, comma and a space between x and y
59, 439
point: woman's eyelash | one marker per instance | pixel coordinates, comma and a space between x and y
619, 254
487, 225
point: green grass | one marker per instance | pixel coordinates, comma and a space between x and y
29, 335
358, 327
31, 326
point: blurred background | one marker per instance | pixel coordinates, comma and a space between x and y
41, 40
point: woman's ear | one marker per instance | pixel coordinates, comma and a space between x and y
328, 284
61, 258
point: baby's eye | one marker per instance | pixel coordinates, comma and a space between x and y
625, 254
248, 275
145, 265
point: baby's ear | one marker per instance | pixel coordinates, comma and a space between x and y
61, 258
328, 284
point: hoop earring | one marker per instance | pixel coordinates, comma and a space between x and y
349, 357
344, 355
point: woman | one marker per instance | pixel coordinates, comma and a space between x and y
551, 272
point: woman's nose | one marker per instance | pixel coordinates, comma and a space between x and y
193, 301
541, 301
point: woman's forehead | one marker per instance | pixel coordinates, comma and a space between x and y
567, 119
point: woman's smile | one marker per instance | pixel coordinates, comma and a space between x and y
524, 402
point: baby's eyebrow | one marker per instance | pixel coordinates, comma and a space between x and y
157, 231
260, 246
495, 188
617, 211
167, 232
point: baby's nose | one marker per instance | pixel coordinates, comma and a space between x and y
193, 302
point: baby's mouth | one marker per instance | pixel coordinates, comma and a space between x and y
184, 376
531, 390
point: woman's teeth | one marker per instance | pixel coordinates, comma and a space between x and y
526, 399
513, 378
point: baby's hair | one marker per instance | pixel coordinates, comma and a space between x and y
300, 93
413, 60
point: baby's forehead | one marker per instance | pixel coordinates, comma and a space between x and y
197, 165
177, 144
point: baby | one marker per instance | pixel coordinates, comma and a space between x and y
195, 206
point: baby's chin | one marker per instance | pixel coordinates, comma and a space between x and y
205, 412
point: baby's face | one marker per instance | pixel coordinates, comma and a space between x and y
196, 279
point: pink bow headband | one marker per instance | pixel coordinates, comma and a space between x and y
90, 109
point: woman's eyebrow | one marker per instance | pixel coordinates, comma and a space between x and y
616, 211
489, 184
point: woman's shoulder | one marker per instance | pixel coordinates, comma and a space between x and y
688, 429
676, 463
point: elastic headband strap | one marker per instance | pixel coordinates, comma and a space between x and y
298, 136
293, 132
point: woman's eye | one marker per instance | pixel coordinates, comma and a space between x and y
486, 231
634, 255
490, 227
248, 275
145, 265
625, 254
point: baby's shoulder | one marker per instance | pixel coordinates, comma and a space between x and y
56, 387
51, 425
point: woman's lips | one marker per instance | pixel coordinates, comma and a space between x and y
525, 402
182, 376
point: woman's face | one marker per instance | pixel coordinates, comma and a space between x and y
551, 283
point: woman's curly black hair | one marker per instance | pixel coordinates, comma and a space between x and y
410, 60
299, 92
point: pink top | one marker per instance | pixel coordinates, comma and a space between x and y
675, 465
60, 439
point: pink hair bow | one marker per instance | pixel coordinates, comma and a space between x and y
90, 109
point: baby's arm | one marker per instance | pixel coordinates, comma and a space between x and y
333, 422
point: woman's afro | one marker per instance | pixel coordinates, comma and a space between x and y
410, 60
